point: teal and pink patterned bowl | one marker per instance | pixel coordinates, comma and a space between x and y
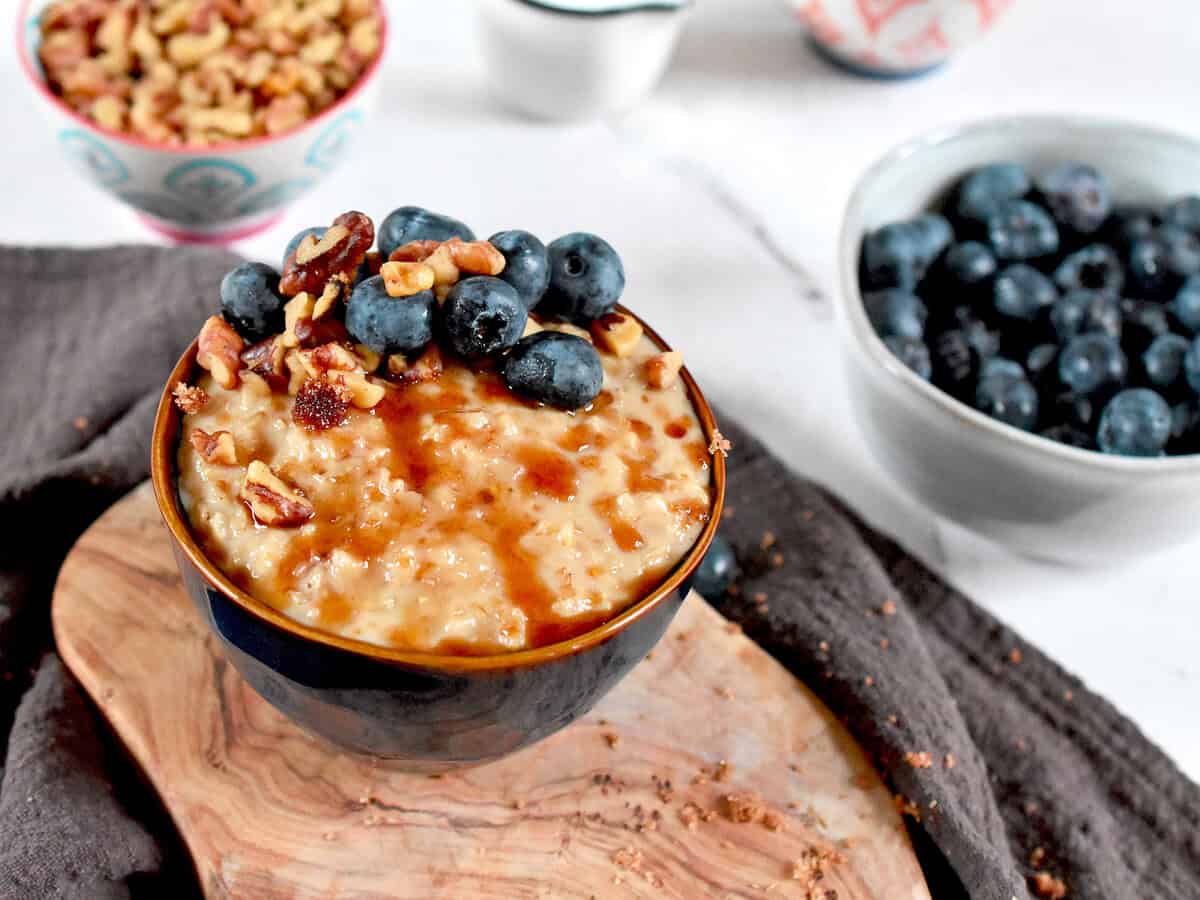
211, 194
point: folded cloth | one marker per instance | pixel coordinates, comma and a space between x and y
1017, 781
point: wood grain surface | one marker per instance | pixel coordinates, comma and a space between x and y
631, 801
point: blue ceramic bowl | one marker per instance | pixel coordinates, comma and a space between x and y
433, 712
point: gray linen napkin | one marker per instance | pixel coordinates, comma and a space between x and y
1011, 765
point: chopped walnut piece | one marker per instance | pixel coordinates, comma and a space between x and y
312, 333
919, 760
414, 251
403, 279
219, 351
217, 447
370, 359
329, 297
1046, 885
297, 370
617, 333
189, 399
476, 257
270, 499
320, 404
334, 356
663, 368
364, 394
426, 367
266, 360
337, 253
299, 307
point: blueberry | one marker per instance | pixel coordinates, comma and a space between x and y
1007, 396
316, 231
1076, 195
586, 277
1092, 361
412, 223
1142, 321
555, 368
1185, 428
968, 264
1186, 304
982, 340
1040, 363
717, 571
483, 316
953, 362
1019, 230
1163, 361
1184, 213
1128, 224
1082, 311
250, 300
1094, 268
1136, 422
1191, 365
1021, 292
913, 353
896, 313
526, 264
899, 254
389, 324
986, 189
1069, 435
1074, 409
1159, 264
1000, 365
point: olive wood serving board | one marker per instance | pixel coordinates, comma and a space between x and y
598, 810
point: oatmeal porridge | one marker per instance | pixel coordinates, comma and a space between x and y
438, 500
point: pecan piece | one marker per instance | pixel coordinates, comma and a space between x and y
312, 334
663, 368
189, 399
364, 394
217, 447
299, 307
266, 360
476, 257
403, 279
337, 254
219, 351
329, 296
320, 405
426, 367
270, 499
414, 251
617, 333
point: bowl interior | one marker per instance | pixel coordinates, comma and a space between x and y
165, 440
1142, 164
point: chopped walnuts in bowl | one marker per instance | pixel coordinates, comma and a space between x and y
204, 72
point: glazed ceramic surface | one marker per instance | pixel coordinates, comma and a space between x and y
432, 712
209, 194
1042, 498
573, 59
895, 38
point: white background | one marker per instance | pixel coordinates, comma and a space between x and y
723, 192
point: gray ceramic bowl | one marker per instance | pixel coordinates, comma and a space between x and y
1041, 498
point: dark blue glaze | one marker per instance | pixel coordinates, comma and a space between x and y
430, 718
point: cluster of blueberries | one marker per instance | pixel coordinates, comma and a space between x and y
577, 278
1037, 302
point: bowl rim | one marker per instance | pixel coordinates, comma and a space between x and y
850, 301
25, 54
164, 440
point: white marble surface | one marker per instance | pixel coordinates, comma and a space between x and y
724, 192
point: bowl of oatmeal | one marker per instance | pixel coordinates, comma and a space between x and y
206, 118
437, 498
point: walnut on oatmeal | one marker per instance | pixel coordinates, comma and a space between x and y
201, 72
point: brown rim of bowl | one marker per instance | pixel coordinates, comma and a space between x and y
162, 473
25, 53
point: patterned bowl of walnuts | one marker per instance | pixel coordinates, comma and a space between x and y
207, 117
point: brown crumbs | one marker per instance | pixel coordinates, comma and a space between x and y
1037, 856
1068, 696
724, 693
811, 869
724, 771
189, 399
949, 761
884, 643
888, 608
612, 739
768, 540
823, 646
920, 760
777, 560
719, 444
1014, 656
773, 821
869, 681
80, 423
733, 628
906, 807
1046, 885
743, 808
